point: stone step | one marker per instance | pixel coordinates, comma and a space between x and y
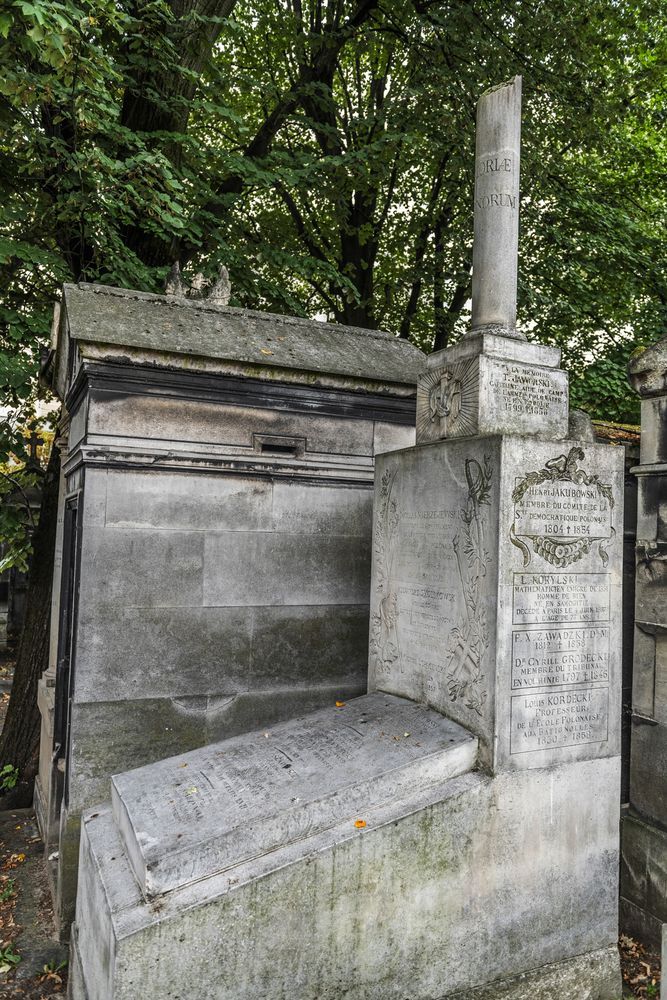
189, 817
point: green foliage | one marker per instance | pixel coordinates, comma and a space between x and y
9, 777
53, 967
324, 152
9, 957
601, 387
8, 890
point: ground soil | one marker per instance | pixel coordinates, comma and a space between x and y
26, 914
27, 926
641, 969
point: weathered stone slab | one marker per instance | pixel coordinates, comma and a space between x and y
172, 653
297, 569
191, 816
498, 601
98, 314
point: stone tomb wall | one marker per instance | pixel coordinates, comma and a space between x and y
535, 670
219, 589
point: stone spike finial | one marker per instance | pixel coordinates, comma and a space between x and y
174, 283
198, 286
495, 248
221, 290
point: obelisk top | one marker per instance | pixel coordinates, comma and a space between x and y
496, 240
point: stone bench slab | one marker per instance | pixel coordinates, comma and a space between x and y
200, 813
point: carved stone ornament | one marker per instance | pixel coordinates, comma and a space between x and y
557, 547
469, 640
448, 401
384, 643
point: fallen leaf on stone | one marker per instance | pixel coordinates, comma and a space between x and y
265, 350
360, 823
340, 704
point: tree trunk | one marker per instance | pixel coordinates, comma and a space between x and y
19, 742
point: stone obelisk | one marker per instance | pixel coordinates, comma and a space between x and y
496, 243
494, 381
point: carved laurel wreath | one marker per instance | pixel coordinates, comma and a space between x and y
561, 552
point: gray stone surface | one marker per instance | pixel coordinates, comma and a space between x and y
494, 345
595, 976
469, 882
187, 329
643, 879
581, 426
495, 248
497, 600
647, 370
193, 815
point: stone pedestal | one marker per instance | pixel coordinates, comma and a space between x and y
497, 588
490, 384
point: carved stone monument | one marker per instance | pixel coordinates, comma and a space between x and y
643, 836
453, 833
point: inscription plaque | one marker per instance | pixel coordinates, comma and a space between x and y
564, 718
563, 510
546, 598
523, 390
552, 657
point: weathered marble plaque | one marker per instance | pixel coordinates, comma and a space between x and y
558, 719
551, 656
550, 598
564, 601
208, 810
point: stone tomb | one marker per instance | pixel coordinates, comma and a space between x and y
213, 555
363, 849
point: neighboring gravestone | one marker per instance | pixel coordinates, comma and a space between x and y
452, 834
214, 544
644, 840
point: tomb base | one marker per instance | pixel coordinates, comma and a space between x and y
595, 976
448, 883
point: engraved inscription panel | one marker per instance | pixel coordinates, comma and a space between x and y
552, 657
551, 719
563, 509
430, 614
546, 598
561, 651
520, 390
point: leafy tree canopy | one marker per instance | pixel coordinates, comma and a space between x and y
323, 150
